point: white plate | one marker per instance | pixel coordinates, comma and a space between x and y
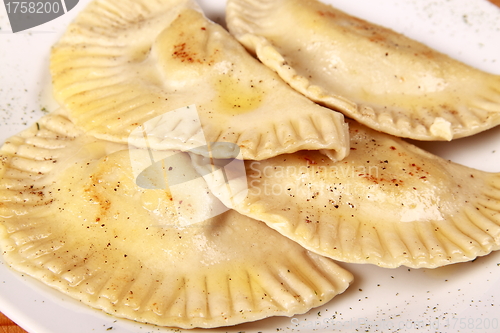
458, 298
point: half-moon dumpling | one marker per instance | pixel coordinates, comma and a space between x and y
121, 64
74, 217
388, 203
380, 78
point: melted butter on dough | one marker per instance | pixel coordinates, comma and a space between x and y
186, 50
237, 97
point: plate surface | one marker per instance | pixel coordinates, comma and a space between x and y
457, 298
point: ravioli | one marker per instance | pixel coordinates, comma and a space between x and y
382, 79
122, 64
388, 203
74, 217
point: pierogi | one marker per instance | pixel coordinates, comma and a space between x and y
382, 79
122, 64
388, 203
74, 217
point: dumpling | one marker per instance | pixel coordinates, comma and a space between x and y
388, 203
73, 216
122, 64
382, 79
